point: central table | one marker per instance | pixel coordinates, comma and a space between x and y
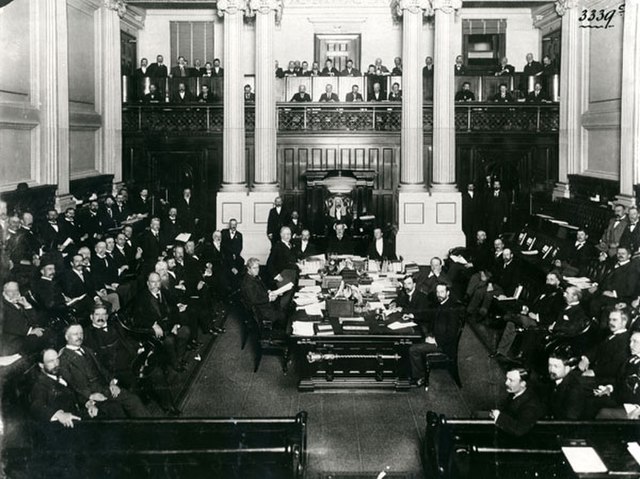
373, 359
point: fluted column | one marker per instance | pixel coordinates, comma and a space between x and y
54, 95
569, 146
265, 105
411, 136
444, 131
630, 114
233, 145
111, 92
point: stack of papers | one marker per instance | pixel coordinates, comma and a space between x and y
634, 450
314, 289
401, 325
302, 328
315, 309
306, 282
582, 282
584, 460
311, 266
305, 299
456, 258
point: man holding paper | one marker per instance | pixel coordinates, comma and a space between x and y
282, 264
257, 296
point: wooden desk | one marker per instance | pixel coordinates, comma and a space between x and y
376, 359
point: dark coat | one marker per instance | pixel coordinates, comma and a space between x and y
443, 323
520, 414
282, 258
15, 326
339, 246
387, 251
568, 399
608, 357
49, 396
570, 321
276, 221
310, 250
300, 97
84, 373
232, 248
623, 280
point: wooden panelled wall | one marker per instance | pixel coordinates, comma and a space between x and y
380, 153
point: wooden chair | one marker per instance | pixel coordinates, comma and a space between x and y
440, 359
268, 340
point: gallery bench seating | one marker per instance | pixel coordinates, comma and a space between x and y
182, 448
466, 448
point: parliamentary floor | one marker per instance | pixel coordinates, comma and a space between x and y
349, 431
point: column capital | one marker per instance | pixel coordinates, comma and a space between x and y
563, 5
116, 5
447, 6
231, 7
267, 6
412, 6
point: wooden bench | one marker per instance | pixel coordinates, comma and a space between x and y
182, 448
475, 448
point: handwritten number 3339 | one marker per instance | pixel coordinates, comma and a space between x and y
601, 16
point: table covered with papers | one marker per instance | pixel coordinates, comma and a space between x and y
353, 342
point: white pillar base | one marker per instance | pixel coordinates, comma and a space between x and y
251, 210
561, 190
64, 201
429, 225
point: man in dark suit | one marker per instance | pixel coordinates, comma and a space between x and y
541, 312
611, 398
197, 69
532, 67
249, 96
143, 71
282, 264
575, 260
349, 71
205, 96
158, 69
440, 329
523, 409
465, 94
631, 234
537, 95
354, 94
305, 248
496, 210
295, 225
459, 68
572, 320
376, 94
395, 94
329, 70
504, 68
81, 369
328, 96
278, 217
50, 233
217, 70
257, 296
21, 330
152, 244
379, 249
180, 70
604, 361
171, 226
27, 242
107, 215
90, 224
141, 204
188, 211
411, 302
182, 95
302, 95
232, 247
503, 95
613, 233
47, 292
427, 69
568, 399
159, 316
153, 96
78, 285
51, 398
428, 279
471, 209
620, 285
340, 243
397, 67
509, 276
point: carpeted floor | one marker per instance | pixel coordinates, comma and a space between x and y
349, 431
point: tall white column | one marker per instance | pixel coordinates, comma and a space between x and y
630, 114
110, 86
569, 144
411, 135
429, 222
444, 131
233, 144
265, 105
54, 94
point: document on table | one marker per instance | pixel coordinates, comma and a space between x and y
311, 289
357, 319
584, 460
401, 325
634, 450
373, 305
315, 309
302, 328
306, 282
302, 300
283, 289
